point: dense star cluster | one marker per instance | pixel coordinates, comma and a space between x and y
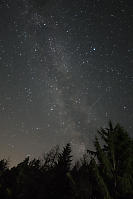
66, 68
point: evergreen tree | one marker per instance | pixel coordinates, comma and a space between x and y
61, 184
113, 163
4, 189
65, 158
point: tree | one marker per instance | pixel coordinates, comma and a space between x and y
61, 184
113, 163
64, 160
4, 189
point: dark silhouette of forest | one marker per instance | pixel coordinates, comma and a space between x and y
105, 173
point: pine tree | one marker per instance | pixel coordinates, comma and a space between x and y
61, 184
113, 163
4, 189
64, 161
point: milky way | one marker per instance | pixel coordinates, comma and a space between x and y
65, 70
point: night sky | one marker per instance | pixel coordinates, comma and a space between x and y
66, 68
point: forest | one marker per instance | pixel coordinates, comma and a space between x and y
105, 173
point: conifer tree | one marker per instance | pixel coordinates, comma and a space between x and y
113, 163
64, 161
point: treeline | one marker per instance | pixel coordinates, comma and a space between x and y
105, 173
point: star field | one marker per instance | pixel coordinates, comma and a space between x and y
65, 70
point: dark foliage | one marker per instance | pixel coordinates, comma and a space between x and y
106, 173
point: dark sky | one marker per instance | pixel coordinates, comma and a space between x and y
66, 68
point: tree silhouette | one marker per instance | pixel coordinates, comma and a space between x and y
113, 163
60, 185
106, 173
64, 160
4, 189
